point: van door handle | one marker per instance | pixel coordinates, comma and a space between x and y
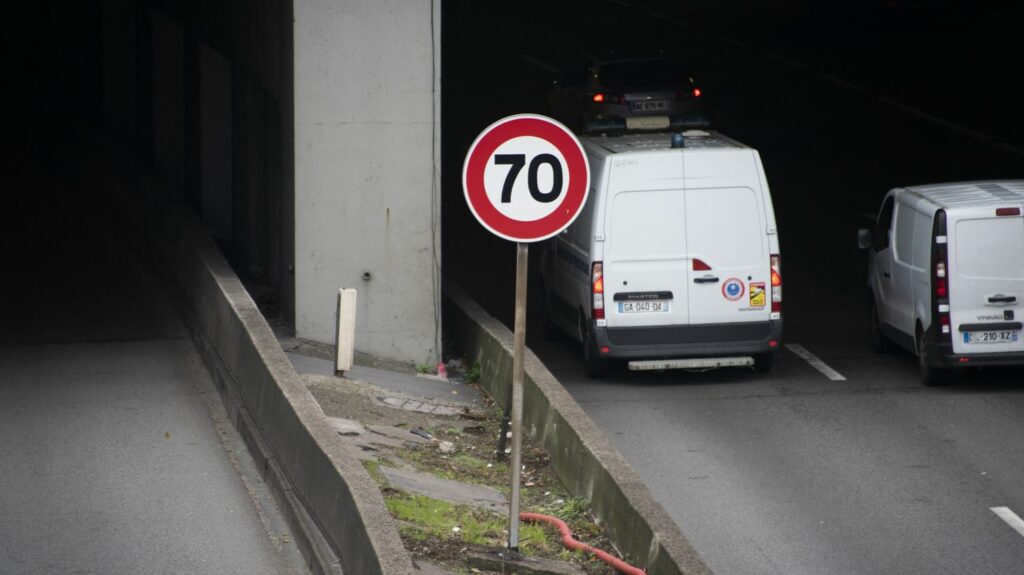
705, 280
1000, 298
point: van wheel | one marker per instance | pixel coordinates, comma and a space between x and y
931, 376
763, 362
594, 366
879, 343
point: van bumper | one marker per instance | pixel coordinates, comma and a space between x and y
981, 359
942, 356
680, 341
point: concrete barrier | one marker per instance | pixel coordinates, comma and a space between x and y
583, 458
335, 508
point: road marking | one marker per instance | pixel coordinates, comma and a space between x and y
539, 63
1010, 518
813, 360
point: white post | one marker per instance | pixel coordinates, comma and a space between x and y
345, 337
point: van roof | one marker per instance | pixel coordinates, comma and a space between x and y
651, 142
960, 194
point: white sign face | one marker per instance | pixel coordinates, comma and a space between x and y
535, 169
526, 178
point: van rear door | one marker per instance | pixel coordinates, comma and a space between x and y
730, 276
645, 263
986, 284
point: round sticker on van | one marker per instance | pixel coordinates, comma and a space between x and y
733, 289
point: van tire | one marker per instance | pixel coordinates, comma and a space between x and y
763, 362
594, 366
931, 376
879, 343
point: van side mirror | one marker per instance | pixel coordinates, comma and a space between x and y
863, 238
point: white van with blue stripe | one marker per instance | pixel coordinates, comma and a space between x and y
674, 261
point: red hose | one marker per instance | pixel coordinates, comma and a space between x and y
570, 543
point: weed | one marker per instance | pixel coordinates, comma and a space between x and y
473, 374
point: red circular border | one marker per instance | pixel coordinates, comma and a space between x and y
739, 296
484, 147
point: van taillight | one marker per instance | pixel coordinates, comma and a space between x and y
940, 281
1007, 211
597, 287
776, 262
700, 266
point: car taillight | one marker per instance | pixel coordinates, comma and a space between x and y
597, 287
604, 98
687, 94
940, 281
776, 286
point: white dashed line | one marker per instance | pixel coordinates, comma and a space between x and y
1010, 518
813, 360
539, 63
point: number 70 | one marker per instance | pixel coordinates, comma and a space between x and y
517, 161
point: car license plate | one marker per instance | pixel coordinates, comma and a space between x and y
643, 306
1001, 336
650, 105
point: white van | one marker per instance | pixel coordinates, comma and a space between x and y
673, 261
946, 274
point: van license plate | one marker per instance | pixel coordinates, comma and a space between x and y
642, 306
1001, 336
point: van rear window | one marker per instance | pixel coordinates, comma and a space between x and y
990, 248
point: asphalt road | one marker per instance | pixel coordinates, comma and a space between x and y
792, 472
116, 455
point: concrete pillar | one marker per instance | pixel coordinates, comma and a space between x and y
366, 172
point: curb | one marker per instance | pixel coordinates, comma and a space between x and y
584, 460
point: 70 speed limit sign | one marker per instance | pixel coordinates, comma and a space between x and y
526, 178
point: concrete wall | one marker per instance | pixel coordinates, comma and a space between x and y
366, 188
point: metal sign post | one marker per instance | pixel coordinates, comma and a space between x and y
518, 357
525, 179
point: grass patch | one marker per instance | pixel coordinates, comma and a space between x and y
425, 518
